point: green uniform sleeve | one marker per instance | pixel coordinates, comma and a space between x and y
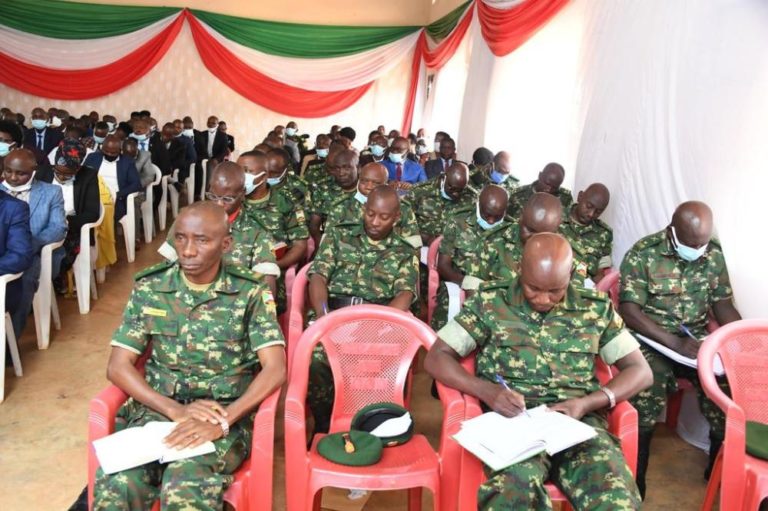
409, 229
723, 291
324, 263
263, 328
634, 279
448, 243
131, 334
467, 330
616, 341
262, 257
407, 275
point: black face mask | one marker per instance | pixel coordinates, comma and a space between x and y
111, 158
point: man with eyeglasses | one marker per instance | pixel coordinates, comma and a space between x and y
251, 242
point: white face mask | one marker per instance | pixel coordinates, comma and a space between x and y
437, 147
251, 182
212, 130
189, 133
359, 197
111, 126
685, 252
55, 122
20, 188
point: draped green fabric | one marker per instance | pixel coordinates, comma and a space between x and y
437, 30
302, 41
70, 20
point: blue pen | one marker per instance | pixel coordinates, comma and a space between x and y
687, 332
503, 383
325, 309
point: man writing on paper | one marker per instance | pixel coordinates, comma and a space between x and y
541, 334
217, 352
670, 279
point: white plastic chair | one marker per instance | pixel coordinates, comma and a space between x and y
204, 166
44, 303
84, 265
168, 190
6, 332
174, 195
147, 208
191, 184
129, 226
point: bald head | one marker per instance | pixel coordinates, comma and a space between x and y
550, 178
210, 214
545, 270
542, 213
456, 178
381, 212
227, 187
492, 203
372, 175
693, 223
19, 167
591, 203
111, 145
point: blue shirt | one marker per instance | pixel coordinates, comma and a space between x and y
412, 172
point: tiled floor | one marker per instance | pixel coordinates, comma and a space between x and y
44, 417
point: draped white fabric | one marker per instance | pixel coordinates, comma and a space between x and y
76, 53
332, 74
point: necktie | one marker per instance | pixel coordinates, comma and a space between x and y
399, 172
40, 141
144, 145
445, 165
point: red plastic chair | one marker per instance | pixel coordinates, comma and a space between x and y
433, 277
622, 422
296, 308
370, 349
290, 276
610, 284
252, 488
743, 349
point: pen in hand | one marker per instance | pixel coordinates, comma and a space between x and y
503, 383
687, 332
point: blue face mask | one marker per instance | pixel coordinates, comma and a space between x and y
396, 157
497, 177
140, 138
276, 180
377, 150
250, 182
290, 131
359, 197
39, 124
685, 252
442, 191
322, 153
5, 148
483, 223
99, 140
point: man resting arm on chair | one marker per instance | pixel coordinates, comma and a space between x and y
542, 334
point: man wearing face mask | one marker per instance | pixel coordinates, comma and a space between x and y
100, 132
446, 157
185, 134
499, 173
590, 237
211, 145
278, 213
119, 174
549, 181
10, 138
280, 177
377, 148
40, 139
671, 281
314, 161
174, 146
403, 173
111, 123
294, 143
47, 222
437, 199
439, 136
464, 258
344, 184
160, 156
351, 207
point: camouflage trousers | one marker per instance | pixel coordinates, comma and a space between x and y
593, 475
320, 391
650, 402
191, 484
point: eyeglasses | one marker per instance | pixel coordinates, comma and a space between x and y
226, 199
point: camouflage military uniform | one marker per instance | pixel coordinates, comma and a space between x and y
317, 175
354, 265
519, 198
592, 243
466, 243
285, 221
432, 210
478, 179
549, 358
672, 292
324, 197
295, 187
349, 209
204, 346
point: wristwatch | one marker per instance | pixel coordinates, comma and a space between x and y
610, 395
224, 427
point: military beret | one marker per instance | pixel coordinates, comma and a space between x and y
757, 439
388, 421
358, 449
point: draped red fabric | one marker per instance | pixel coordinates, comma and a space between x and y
410, 101
504, 30
88, 83
265, 91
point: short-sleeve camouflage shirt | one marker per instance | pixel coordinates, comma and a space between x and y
592, 244
520, 196
432, 209
349, 210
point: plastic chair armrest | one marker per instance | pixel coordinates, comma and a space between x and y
102, 410
295, 426
263, 449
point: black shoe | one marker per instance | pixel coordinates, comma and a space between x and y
715, 443
643, 454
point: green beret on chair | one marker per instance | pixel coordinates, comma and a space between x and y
757, 439
365, 448
388, 421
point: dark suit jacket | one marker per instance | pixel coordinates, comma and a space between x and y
177, 153
160, 155
231, 142
51, 139
15, 244
219, 146
128, 180
87, 198
434, 168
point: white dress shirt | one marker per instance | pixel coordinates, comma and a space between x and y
108, 172
68, 190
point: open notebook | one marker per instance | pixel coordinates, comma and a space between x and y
717, 365
500, 442
132, 447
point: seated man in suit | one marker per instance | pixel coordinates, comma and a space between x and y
47, 222
377, 150
446, 157
403, 173
100, 132
174, 146
541, 335
142, 160
160, 156
15, 247
187, 137
41, 139
119, 174
80, 188
230, 138
211, 146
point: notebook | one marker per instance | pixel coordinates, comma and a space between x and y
717, 365
133, 447
500, 441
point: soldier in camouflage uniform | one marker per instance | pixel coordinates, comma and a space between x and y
501, 173
358, 263
672, 278
280, 178
541, 334
252, 244
279, 215
549, 181
480, 168
350, 208
320, 172
344, 184
464, 258
436, 200
590, 237
217, 351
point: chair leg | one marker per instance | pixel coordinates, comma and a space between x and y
317, 500
414, 499
55, 312
714, 483
12, 345
674, 403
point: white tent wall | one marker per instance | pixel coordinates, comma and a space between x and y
661, 101
181, 85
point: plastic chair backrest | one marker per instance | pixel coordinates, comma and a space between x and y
610, 284
433, 279
370, 349
296, 312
